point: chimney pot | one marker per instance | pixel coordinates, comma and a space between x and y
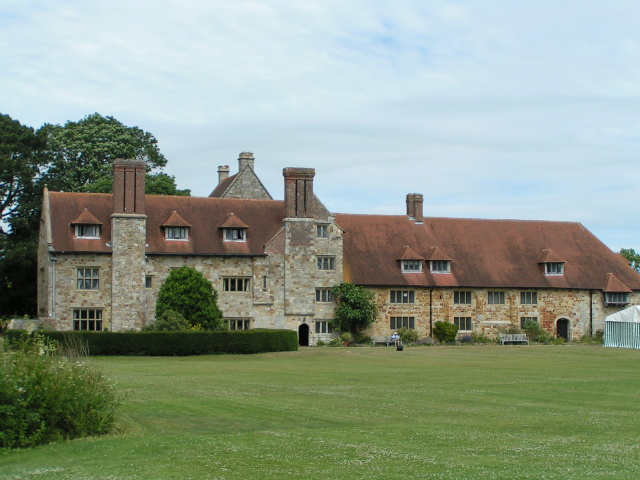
223, 172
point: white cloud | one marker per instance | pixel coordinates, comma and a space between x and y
490, 109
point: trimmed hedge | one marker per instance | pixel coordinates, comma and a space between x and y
174, 343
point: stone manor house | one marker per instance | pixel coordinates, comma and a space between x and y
103, 257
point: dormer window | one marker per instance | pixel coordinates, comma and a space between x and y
176, 233
554, 268
616, 298
86, 225
235, 234
176, 228
440, 266
411, 266
87, 231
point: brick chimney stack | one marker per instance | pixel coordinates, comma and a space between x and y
298, 192
128, 186
245, 159
223, 173
415, 207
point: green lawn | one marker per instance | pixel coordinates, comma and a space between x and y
511, 412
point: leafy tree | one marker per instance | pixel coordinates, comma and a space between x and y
155, 184
188, 293
20, 163
82, 153
355, 308
445, 332
632, 257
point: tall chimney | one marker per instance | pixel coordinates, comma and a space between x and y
223, 172
415, 207
128, 186
245, 159
298, 192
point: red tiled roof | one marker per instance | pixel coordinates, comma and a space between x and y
86, 218
233, 221
176, 220
222, 186
484, 253
615, 285
264, 217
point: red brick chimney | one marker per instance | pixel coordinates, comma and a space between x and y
128, 186
415, 207
298, 192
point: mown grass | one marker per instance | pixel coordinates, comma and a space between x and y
512, 412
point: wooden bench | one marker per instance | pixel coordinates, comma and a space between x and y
381, 340
513, 338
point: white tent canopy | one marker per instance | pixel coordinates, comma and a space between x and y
622, 329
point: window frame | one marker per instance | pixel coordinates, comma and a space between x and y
235, 234
322, 230
82, 317
236, 324
92, 280
491, 300
528, 298
176, 234
236, 284
399, 296
326, 262
324, 295
323, 326
523, 320
616, 298
434, 264
554, 269
468, 321
467, 300
401, 321
407, 266
82, 228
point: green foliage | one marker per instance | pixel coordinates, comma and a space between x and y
535, 333
182, 343
188, 293
168, 321
632, 257
45, 397
82, 153
481, 338
445, 332
20, 164
407, 335
355, 307
336, 342
155, 184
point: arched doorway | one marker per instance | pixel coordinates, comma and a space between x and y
303, 335
562, 328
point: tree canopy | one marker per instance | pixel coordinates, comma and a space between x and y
355, 308
74, 157
20, 164
187, 292
632, 257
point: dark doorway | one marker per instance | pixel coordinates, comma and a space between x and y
562, 327
303, 335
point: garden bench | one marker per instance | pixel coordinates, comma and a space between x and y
379, 340
513, 338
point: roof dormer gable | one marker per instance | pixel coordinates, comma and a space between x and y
234, 229
553, 264
176, 228
86, 218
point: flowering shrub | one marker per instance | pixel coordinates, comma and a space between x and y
45, 397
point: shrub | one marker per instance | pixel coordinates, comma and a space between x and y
168, 321
355, 307
188, 293
361, 339
445, 332
535, 333
481, 338
465, 339
427, 342
407, 335
336, 342
45, 397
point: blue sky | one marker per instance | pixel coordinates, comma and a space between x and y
490, 109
